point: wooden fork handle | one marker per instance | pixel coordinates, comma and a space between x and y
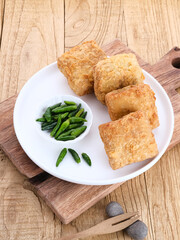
95, 230
110, 225
83, 234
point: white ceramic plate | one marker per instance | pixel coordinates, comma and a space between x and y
50, 82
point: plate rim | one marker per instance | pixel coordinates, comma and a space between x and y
96, 182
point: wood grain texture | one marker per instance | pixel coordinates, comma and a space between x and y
67, 200
151, 29
33, 37
2, 9
99, 20
9, 143
169, 77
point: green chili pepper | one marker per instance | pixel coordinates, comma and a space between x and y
64, 105
74, 155
75, 125
55, 117
41, 120
65, 133
55, 106
66, 138
69, 103
64, 109
84, 115
56, 127
44, 124
48, 127
63, 116
61, 156
47, 114
77, 119
86, 158
78, 114
54, 113
78, 131
75, 111
62, 128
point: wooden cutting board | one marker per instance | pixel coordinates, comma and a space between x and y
68, 200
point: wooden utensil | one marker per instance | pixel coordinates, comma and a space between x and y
68, 200
110, 225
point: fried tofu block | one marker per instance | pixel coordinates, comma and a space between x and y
130, 99
116, 72
77, 66
128, 140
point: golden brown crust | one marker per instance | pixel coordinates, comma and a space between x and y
128, 140
77, 66
116, 72
130, 99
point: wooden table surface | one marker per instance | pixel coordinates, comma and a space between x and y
33, 33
